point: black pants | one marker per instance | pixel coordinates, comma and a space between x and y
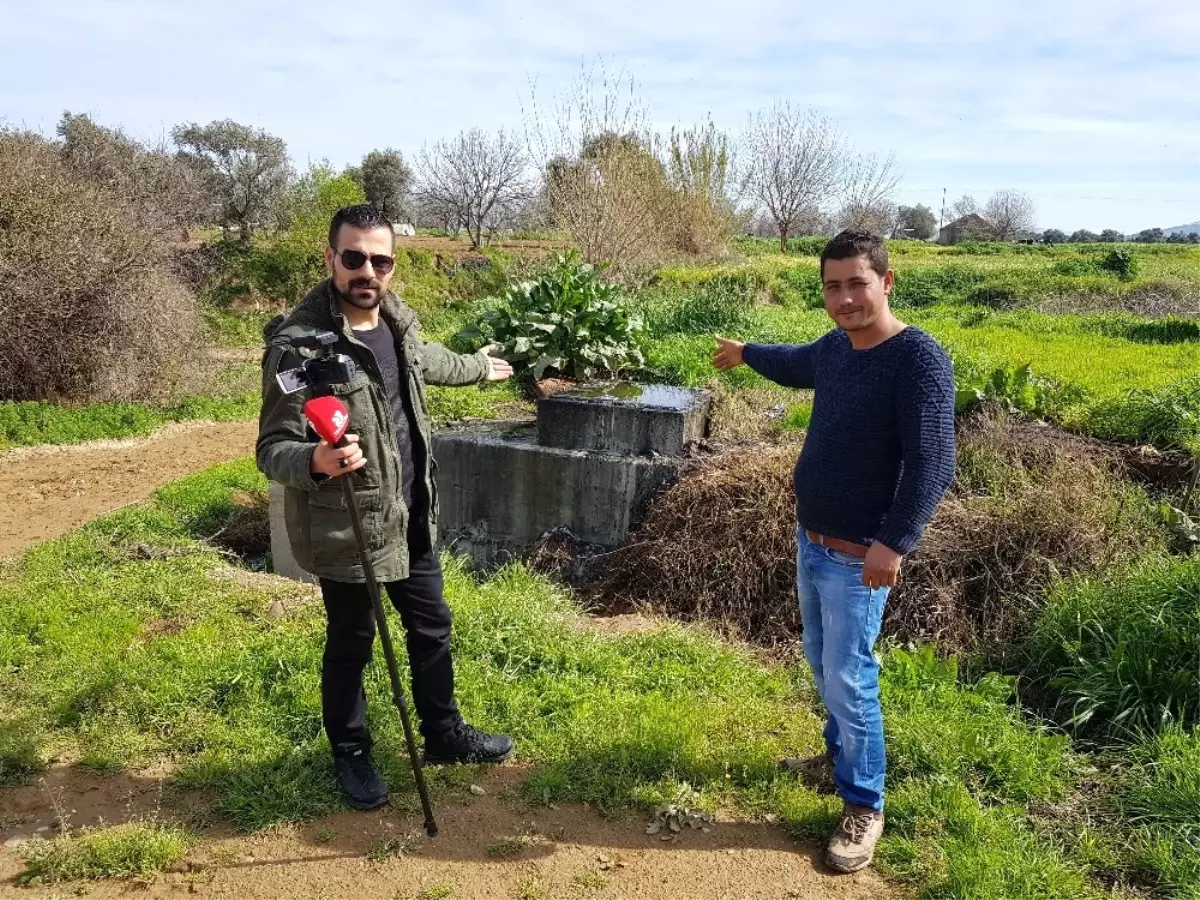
350, 633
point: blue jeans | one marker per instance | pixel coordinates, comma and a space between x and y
841, 619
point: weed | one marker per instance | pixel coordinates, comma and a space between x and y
533, 887
438, 891
135, 849
512, 846
393, 847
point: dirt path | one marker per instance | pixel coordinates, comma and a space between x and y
47, 491
489, 846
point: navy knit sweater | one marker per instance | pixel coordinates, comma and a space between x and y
879, 453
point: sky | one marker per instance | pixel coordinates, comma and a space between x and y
1092, 108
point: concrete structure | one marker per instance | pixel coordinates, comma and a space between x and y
591, 463
403, 229
499, 491
283, 562
624, 418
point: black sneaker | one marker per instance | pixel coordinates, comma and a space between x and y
466, 745
361, 782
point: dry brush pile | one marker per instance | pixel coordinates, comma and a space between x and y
1029, 504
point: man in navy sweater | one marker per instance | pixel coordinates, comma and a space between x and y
878, 456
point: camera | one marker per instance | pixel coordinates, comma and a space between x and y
317, 372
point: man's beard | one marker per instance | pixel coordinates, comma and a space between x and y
362, 302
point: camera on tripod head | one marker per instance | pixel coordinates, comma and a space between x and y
317, 373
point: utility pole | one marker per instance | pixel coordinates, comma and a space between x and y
942, 214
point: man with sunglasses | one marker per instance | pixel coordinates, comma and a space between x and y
389, 458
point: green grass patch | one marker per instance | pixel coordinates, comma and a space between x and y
1159, 797
131, 850
230, 329
1118, 653
37, 422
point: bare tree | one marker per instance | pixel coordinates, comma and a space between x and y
247, 169
794, 161
1009, 213
479, 180
604, 185
868, 183
964, 206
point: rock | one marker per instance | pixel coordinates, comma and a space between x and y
276, 610
478, 791
16, 841
42, 830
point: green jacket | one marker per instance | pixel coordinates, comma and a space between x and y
318, 522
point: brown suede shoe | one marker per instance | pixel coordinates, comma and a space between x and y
815, 771
852, 846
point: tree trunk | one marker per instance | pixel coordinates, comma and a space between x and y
783, 233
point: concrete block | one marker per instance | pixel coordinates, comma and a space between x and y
499, 491
284, 563
624, 418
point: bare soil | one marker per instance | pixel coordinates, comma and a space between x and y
48, 491
489, 846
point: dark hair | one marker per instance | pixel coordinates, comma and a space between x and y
365, 216
849, 244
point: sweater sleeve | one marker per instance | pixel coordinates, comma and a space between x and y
925, 413
789, 365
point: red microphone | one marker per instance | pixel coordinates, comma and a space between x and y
328, 417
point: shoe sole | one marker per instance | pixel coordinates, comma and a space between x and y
428, 760
363, 807
847, 868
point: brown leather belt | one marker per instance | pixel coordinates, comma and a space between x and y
859, 550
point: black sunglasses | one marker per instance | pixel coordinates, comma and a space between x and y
356, 259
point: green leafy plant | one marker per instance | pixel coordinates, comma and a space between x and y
1121, 263
568, 320
1015, 388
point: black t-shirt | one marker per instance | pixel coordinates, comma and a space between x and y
390, 359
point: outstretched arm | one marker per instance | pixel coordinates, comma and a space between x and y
789, 365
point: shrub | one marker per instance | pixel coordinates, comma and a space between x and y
1075, 266
1121, 263
90, 310
925, 287
569, 320
799, 285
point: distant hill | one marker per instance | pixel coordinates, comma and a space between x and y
1193, 228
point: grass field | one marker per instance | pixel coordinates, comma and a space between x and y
114, 659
